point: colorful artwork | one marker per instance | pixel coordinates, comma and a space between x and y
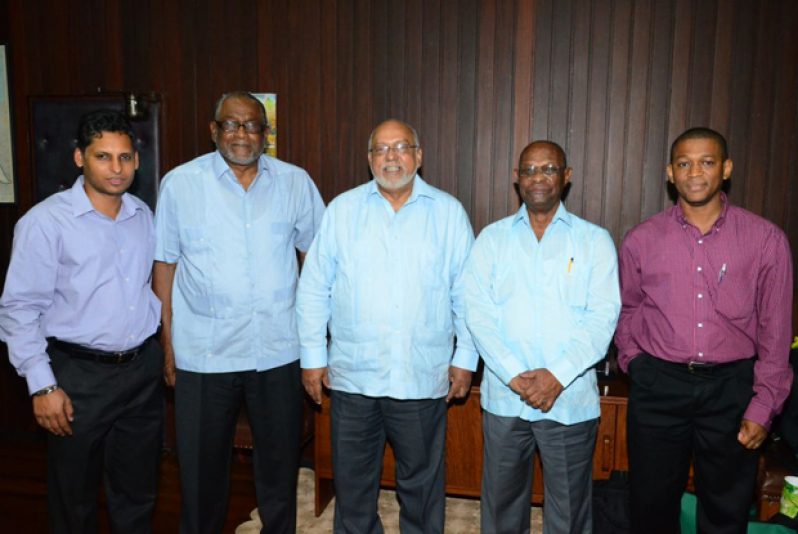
269, 101
6, 158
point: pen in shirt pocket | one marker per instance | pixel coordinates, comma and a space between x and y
570, 265
722, 273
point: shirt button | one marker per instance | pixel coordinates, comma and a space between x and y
700, 295
700, 325
700, 354
127, 279
131, 308
698, 269
248, 225
700, 241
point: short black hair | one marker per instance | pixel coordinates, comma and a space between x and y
702, 132
557, 148
93, 124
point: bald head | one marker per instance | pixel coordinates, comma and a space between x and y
394, 124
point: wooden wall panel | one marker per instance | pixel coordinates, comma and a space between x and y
612, 81
640, 72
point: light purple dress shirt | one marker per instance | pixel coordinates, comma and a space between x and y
716, 298
79, 276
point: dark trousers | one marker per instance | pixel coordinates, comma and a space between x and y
116, 436
567, 455
416, 430
206, 411
675, 414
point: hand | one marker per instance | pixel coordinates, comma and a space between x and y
751, 435
54, 412
168, 362
543, 389
459, 383
520, 384
313, 380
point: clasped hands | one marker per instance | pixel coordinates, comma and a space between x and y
538, 388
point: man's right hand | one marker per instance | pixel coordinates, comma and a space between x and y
54, 412
168, 363
313, 380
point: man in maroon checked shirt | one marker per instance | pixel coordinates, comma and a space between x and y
704, 334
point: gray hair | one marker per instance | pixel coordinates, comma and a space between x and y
245, 95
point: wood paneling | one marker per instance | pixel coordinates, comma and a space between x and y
461, 72
632, 75
612, 81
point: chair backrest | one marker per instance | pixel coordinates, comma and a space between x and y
54, 120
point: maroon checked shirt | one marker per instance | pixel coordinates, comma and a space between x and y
715, 298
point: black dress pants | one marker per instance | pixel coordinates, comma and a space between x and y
675, 414
116, 435
416, 430
206, 410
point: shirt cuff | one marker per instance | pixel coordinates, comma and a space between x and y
514, 368
465, 359
563, 371
39, 377
758, 413
313, 358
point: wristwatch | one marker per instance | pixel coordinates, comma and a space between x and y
45, 391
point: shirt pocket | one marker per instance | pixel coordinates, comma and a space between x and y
281, 231
735, 295
575, 290
194, 240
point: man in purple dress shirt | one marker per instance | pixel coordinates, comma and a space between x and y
704, 334
79, 319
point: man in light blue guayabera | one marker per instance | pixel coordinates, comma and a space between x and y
384, 273
229, 226
542, 301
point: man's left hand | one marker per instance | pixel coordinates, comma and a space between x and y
460, 383
752, 435
543, 390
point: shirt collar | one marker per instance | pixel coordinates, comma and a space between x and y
82, 205
220, 166
560, 215
678, 212
420, 189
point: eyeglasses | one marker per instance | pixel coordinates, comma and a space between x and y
547, 170
400, 148
251, 127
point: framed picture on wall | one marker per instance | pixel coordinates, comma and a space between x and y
269, 101
6, 154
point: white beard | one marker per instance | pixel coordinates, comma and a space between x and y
395, 185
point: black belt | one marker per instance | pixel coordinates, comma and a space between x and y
101, 356
705, 368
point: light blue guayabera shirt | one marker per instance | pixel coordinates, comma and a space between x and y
550, 304
389, 285
235, 249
